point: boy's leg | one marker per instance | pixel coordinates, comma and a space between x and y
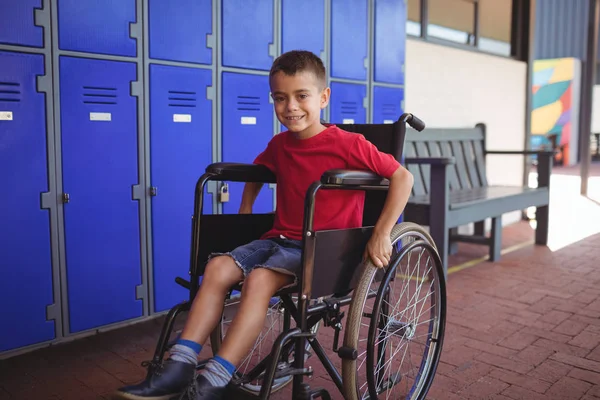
258, 289
178, 371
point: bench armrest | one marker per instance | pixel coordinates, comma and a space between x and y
238, 172
430, 160
352, 177
522, 152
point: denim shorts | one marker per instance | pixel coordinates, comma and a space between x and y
277, 254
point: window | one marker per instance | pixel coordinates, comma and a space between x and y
413, 22
484, 24
494, 22
452, 20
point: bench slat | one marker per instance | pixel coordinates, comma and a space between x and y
418, 186
461, 169
452, 176
470, 163
480, 162
433, 134
423, 152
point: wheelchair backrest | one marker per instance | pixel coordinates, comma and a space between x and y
388, 138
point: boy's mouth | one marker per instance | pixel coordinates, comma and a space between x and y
294, 118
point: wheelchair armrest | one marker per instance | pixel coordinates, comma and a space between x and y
352, 177
239, 172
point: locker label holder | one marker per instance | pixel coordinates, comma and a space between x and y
6, 116
97, 116
182, 117
348, 121
248, 121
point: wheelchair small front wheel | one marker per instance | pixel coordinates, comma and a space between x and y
396, 321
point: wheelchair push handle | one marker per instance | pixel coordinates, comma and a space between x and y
413, 121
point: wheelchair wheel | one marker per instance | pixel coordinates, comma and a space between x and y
275, 323
396, 321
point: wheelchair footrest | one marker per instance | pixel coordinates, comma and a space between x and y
306, 393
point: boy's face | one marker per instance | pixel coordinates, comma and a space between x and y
298, 101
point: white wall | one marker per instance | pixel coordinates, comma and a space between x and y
448, 87
596, 109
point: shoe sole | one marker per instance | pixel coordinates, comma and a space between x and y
128, 396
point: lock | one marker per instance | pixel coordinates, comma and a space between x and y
224, 193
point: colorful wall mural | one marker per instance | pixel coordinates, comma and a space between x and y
555, 116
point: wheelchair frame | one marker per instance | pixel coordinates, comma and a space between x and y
305, 314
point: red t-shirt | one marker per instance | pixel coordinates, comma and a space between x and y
297, 163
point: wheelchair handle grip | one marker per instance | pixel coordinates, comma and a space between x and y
413, 121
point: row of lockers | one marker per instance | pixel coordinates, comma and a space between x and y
182, 30
97, 160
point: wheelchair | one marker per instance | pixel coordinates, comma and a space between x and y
394, 331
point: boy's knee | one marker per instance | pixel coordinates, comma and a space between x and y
222, 270
266, 282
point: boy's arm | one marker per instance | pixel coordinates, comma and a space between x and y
251, 191
379, 247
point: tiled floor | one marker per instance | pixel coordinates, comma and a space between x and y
526, 327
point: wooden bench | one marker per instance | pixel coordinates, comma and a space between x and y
451, 188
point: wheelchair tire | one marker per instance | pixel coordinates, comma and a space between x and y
364, 382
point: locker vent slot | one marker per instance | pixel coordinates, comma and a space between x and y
248, 103
9, 91
349, 108
99, 95
389, 110
178, 98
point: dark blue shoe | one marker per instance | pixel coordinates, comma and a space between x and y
201, 389
162, 382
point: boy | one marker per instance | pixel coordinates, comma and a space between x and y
298, 157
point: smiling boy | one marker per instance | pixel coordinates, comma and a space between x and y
298, 157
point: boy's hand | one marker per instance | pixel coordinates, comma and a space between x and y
379, 249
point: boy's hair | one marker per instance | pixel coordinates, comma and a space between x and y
295, 61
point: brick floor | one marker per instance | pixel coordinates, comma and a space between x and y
527, 327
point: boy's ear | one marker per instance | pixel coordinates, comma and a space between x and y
325, 94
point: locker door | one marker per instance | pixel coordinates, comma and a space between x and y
295, 33
247, 33
346, 103
178, 30
390, 41
349, 38
180, 150
247, 129
99, 166
387, 104
97, 26
26, 266
17, 23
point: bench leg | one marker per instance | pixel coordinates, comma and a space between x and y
440, 235
453, 245
541, 230
480, 228
496, 239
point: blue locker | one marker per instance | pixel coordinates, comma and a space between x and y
180, 150
26, 272
99, 166
247, 33
178, 30
17, 23
295, 33
97, 26
247, 129
390, 41
387, 104
346, 103
349, 38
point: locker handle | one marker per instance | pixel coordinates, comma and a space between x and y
66, 198
153, 191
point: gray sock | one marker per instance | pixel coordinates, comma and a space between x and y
183, 353
216, 373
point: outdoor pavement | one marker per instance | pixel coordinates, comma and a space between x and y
526, 327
